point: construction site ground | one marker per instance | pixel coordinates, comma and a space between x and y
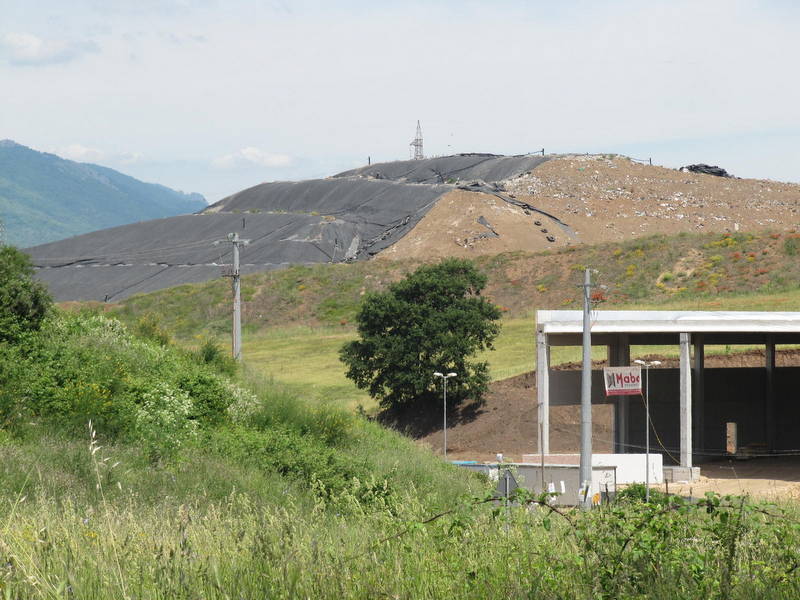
507, 423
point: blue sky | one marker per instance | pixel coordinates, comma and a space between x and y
214, 96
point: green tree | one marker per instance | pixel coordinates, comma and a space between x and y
433, 320
24, 302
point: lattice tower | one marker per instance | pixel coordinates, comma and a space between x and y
416, 145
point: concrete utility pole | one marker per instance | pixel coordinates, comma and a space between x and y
586, 395
232, 271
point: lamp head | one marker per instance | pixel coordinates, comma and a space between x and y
655, 362
437, 374
451, 374
640, 362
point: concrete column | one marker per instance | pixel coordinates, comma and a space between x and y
686, 401
543, 391
619, 355
698, 400
769, 394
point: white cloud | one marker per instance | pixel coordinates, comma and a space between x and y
26, 49
81, 153
254, 156
128, 158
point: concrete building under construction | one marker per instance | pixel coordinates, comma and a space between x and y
692, 406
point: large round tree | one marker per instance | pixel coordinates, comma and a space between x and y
433, 320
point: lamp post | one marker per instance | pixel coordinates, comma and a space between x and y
444, 428
647, 365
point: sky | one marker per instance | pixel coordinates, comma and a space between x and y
214, 96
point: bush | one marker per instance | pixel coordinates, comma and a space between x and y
163, 421
88, 367
212, 354
209, 397
24, 302
282, 450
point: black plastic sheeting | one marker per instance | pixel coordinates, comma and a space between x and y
707, 170
451, 169
343, 218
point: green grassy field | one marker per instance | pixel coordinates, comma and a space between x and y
306, 358
295, 320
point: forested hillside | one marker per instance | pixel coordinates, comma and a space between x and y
45, 198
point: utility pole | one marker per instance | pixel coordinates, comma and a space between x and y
586, 397
232, 271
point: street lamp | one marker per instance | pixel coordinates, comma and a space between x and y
647, 365
444, 379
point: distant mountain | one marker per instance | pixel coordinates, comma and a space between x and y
44, 197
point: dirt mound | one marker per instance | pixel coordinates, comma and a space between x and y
603, 199
508, 423
466, 223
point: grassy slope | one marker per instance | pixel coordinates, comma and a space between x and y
655, 270
89, 522
220, 525
297, 319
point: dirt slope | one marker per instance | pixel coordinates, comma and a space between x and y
466, 223
508, 421
603, 199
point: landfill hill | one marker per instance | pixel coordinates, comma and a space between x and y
597, 198
44, 197
466, 205
344, 218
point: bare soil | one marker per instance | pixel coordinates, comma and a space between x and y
604, 199
507, 423
451, 228
773, 478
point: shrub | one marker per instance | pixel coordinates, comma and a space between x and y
149, 327
24, 302
163, 421
791, 246
211, 353
284, 451
209, 397
88, 367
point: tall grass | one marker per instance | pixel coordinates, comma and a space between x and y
242, 548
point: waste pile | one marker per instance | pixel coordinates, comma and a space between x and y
707, 170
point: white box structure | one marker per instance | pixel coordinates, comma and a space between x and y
630, 468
